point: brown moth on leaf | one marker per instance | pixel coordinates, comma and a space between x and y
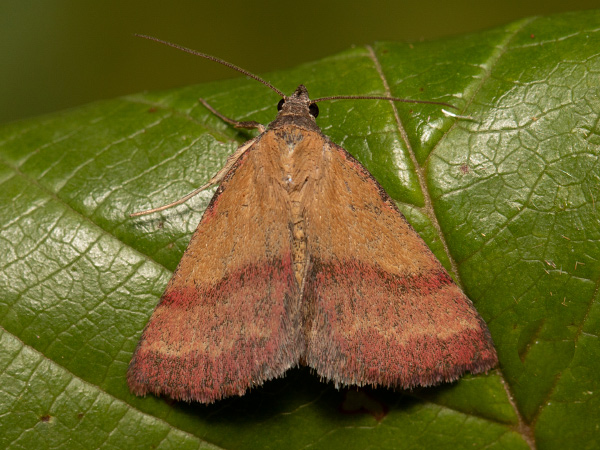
302, 258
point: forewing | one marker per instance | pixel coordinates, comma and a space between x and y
378, 306
229, 318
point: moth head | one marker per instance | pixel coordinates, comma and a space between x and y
298, 103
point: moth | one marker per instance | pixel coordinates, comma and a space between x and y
302, 258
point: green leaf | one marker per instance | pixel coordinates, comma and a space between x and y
506, 200
45, 406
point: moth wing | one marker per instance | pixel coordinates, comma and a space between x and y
379, 308
229, 318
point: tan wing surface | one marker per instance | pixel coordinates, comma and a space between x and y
378, 306
229, 318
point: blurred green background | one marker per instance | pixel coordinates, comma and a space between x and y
60, 53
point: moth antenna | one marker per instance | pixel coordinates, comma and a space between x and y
281, 94
381, 97
215, 59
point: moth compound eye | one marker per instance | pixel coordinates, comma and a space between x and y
313, 109
280, 104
